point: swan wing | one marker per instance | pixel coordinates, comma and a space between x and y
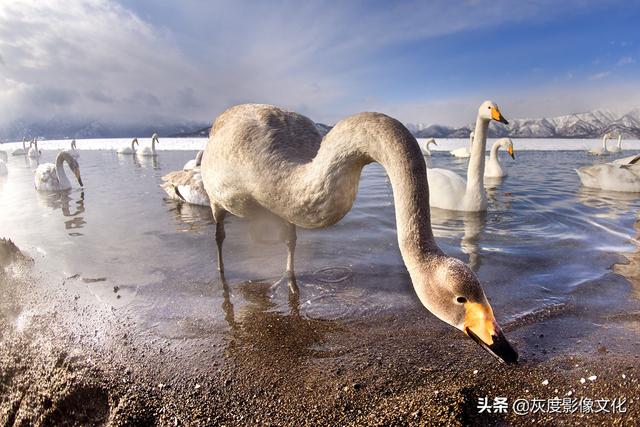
446, 189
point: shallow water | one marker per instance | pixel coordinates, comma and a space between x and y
544, 242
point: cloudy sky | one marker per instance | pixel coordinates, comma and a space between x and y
133, 61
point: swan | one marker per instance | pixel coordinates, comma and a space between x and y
425, 150
448, 189
20, 151
34, 153
463, 152
493, 168
149, 151
618, 147
74, 152
186, 186
601, 151
619, 175
262, 161
128, 150
50, 177
194, 163
3, 163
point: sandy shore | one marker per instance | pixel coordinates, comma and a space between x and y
69, 359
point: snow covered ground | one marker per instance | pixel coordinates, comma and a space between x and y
443, 144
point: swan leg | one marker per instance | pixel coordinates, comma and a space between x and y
290, 239
218, 216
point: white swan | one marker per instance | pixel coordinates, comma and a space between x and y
425, 149
194, 163
149, 151
186, 186
3, 163
34, 153
20, 151
601, 151
128, 150
449, 190
493, 168
50, 177
264, 162
74, 152
618, 146
463, 152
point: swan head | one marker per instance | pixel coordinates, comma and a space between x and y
74, 166
457, 298
432, 141
489, 111
155, 137
507, 144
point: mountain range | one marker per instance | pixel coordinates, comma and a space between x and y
591, 124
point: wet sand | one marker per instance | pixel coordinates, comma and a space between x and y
72, 359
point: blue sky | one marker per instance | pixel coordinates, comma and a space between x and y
431, 62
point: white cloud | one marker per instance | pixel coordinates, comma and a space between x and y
600, 76
626, 60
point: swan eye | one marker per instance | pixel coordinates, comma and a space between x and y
489, 107
461, 300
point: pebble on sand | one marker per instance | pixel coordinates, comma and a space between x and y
545, 382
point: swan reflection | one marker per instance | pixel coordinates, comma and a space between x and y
450, 223
72, 209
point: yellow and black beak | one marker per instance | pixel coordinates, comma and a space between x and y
481, 326
510, 151
497, 116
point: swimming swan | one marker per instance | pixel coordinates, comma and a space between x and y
618, 147
463, 152
263, 161
449, 190
194, 163
50, 177
3, 163
149, 151
425, 150
601, 151
493, 168
20, 151
129, 150
186, 186
33, 149
74, 152
618, 175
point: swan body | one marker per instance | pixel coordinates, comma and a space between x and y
600, 151
194, 163
52, 177
186, 186
261, 161
74, 152
33, 149
449, 190
149, 151
619, 175
3, 163
493, 168
425, 150
618, 147
128, 150
463, 152
20, 151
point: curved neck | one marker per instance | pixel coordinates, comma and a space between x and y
475, 171
133, 144
371, 137
619, 141
494, 150
604, 141
24, 147
153, 145
62, 175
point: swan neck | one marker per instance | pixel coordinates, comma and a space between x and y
62, 175
475, 170
494, 150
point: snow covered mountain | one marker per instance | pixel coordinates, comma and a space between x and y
591, 124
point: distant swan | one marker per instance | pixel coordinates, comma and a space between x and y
128, 150
74, 152
463, 152
50, 177
264, 162
448, 190
193, 163
601, 151
20, 151
3, 163
618, 147
149, 151
34, 153
425, 150
493, 168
